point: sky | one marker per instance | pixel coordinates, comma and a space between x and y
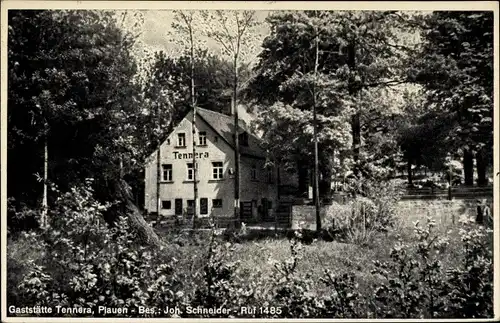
157, 34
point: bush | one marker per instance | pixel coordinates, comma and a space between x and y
364, 216
413, 278
85, 263
80, 261
20, 217
293, 293
415, 285
344, 301
22, 252
470, 286
218, 289
294, 296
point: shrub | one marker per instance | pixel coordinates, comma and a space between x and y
217, 289
344, 301
364, 216
471, 284
293, 293
415, 285
79, 260
91, 264
295, 298
413, 278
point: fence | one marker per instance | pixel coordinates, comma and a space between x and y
409, 210
465, 193
280, 217
444, 212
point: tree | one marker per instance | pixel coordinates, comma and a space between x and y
73, 71
186, 23
456, 68
212, 76
361, 55
233, 32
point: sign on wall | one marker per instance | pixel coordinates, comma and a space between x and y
304, 217
178, 155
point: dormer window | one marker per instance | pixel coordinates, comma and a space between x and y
243, 138
202, 138
181, 140
253, 172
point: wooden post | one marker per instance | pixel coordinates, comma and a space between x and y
276, 221
449, 182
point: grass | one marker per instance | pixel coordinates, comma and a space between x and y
257, 253
444, 212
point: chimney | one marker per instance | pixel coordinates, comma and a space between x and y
227, 97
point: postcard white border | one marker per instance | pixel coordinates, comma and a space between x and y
242, 5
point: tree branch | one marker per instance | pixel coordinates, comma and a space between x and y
385, 83
226, 30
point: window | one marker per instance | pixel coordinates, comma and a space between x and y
167, 172
202, 138
218, 170
270, 175
178, 206
243, 139
265, 209
253, 172
190, 172
190, 207
168, 141
167, 205
203, 205
181, 140
217, 203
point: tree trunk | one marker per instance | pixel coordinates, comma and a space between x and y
316, 157
43, 218
355, 121
468, 163
236, 143
193, 130
326, 186
481, 166
410, 177
302, 174
158, 179
146, 233
356, 138
278, 182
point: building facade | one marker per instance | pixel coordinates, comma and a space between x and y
215, 175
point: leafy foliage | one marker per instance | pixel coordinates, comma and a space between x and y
470, 285
359, 58
71, 79
363, 217
455, 66
83, 262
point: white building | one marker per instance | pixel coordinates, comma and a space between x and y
214, 139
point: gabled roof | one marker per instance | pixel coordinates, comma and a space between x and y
223, 125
